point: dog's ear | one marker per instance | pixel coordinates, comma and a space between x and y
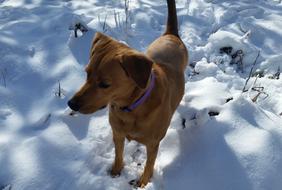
138, 67
98, 38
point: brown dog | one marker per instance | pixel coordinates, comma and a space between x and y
143, 90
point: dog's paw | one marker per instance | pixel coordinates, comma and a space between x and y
141, 184
116, 169
114, 173
137, 183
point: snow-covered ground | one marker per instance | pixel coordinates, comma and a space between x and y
219, 138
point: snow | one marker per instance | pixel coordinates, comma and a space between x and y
242, 153
218, 139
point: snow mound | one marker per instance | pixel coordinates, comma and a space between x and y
222, 39
239, 148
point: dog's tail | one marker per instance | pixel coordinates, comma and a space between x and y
172, 25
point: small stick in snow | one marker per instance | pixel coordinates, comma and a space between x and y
104, 24
127, 14
60, 92
78, 26
250, 74
277, 74
246, 35
259, 89
4, 76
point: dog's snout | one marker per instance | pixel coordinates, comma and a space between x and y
73, 105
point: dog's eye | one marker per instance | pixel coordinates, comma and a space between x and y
103, 85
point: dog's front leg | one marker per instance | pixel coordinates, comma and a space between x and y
152, 151
119, 146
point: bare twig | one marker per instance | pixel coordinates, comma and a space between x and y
127, 15
259, 89
126, 11
246, 35
241, 29
104, 24
78, 26
255, 80
250, 74
277, 74
116, 16
4, 76
60, 92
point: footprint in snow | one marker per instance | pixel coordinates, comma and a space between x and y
39, 125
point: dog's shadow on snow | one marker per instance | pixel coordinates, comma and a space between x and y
205, 159
79, 124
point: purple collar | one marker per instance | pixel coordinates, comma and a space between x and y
143, 98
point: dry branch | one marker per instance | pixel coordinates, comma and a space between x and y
250, 74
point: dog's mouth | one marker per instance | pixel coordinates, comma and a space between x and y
102, 107
73, 113
85, 111
69, 111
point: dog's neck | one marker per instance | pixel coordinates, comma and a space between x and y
136, 98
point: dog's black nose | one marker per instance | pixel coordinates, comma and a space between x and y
73, 105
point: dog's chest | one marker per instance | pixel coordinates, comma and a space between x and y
129, 125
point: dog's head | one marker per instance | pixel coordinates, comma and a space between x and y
113, 72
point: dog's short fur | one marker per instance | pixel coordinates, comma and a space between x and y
118, 75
